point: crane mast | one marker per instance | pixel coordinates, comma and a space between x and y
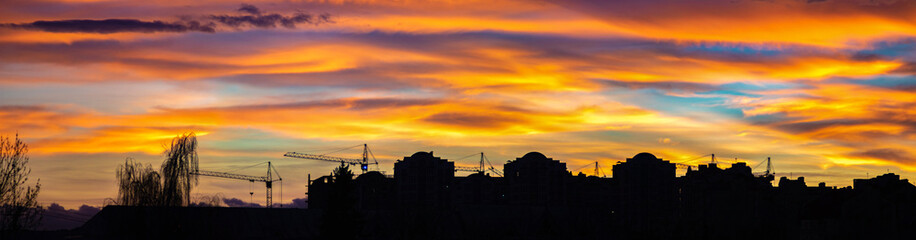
769, 168
267, 180
598, 170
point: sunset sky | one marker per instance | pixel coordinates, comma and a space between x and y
824, 87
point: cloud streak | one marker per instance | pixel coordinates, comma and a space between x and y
113, 26
888, 154
255, 18
56, 217
252, 17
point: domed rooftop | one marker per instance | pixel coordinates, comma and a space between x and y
371, 175
422, 154
534, 155
644, 156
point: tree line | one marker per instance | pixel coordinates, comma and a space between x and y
138, 184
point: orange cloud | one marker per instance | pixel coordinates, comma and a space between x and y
828, 24
147, 140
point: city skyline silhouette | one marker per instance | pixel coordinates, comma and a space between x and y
644, 199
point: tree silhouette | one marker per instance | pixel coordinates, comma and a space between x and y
340, 219
176, 171
215, 200
138, 185
19, 207
342, 174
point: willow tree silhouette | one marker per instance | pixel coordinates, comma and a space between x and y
140, 185
19, 207
177, 169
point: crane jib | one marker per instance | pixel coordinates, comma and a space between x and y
362, 162
268, 180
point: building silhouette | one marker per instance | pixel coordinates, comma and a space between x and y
647, 196
478, 189
726, 203
644, 199
535, 179
423, 181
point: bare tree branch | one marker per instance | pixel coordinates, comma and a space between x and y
19, 207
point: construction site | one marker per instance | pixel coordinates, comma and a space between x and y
531, 197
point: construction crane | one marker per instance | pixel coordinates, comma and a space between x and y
267, 180
597, 170
362, 162
481, 167
769, 170
685, 165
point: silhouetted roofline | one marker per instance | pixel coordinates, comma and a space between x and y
644, 156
